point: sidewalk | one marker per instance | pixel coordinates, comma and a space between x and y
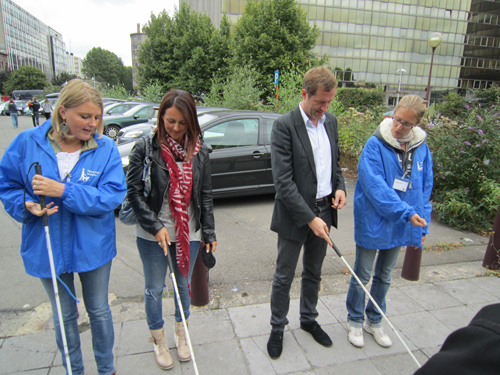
233, 340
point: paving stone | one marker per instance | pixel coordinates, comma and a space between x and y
336, 305
22, 353
292, 358
86, 343
144, 363
422, 329
399, 303
431, 296
219, 357
361, 367
210, 326
429, 352
466, 292
324, 317
257, 358
340, 351
488, 284
399, 364
134, 338
44, 371
455, 317
251, 320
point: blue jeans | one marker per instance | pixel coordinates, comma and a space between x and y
155, 264
386, 260
13, 116
36, 118
95, 295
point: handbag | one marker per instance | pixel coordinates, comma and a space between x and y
127, 215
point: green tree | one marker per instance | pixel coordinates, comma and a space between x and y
114, 91
127, 79
183, 51
103, 66
152, 92
4, 77
272, 35
26, 78
61, 78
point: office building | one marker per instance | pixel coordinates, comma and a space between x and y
74, 64
28, 41
368, 41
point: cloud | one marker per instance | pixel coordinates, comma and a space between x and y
107, 24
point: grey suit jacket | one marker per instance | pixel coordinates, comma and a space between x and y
294, 174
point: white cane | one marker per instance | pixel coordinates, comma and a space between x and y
38, 170
184, 323
374, 303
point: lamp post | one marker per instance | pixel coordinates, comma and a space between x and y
400, 71
434, 42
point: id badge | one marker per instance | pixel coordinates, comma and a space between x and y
400, 185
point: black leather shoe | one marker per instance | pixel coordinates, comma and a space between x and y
275, 344
317, 333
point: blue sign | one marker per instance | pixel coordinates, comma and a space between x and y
276, 77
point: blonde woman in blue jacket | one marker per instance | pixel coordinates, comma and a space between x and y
391, 209
83, 182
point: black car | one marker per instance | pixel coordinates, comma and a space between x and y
241, 153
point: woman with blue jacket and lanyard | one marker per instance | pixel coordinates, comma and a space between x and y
83, 183
391, 209
176, 214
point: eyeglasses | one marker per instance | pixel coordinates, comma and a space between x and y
405, 124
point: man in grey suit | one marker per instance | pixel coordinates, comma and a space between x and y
309, 191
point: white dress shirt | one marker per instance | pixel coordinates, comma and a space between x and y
320, 143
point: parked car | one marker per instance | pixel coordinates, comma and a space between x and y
119, 108
241, 154
4, 106
388, 114
138, 114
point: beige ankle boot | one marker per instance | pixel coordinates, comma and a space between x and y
163, 358
183, 352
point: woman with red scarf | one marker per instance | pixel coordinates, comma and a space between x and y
176, 214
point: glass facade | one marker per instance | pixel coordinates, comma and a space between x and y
29, 41
368, 41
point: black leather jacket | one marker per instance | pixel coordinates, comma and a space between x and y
147, 209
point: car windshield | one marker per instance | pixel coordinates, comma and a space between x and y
133, 110
205, 118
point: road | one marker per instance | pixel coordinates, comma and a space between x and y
246, 254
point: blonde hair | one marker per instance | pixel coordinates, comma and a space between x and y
413, 103
74, 93
319, 76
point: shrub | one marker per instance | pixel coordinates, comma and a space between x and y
359, 98
238, 91
153, 92
466, 159
454, 106
354, 130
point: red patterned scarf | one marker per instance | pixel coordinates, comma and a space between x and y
179, 196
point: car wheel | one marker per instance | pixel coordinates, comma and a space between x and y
112, 131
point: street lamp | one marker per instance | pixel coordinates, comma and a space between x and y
434, 42
400, 71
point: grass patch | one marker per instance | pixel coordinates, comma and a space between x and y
443, 246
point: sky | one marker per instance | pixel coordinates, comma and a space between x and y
85, 24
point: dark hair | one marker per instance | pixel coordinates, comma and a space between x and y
319, 76
184, 102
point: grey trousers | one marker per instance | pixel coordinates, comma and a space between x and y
286, 263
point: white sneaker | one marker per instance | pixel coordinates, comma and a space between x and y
379, 335
356, 336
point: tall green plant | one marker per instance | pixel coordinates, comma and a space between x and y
238, 91
466, 168
153, 92
116, 91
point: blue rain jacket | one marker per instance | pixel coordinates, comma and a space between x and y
82, 232
381, 213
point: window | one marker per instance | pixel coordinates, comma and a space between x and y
236, 133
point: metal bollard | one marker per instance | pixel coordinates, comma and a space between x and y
199, 281
492, 255
411, 263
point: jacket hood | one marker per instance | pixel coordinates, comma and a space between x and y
383, 132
